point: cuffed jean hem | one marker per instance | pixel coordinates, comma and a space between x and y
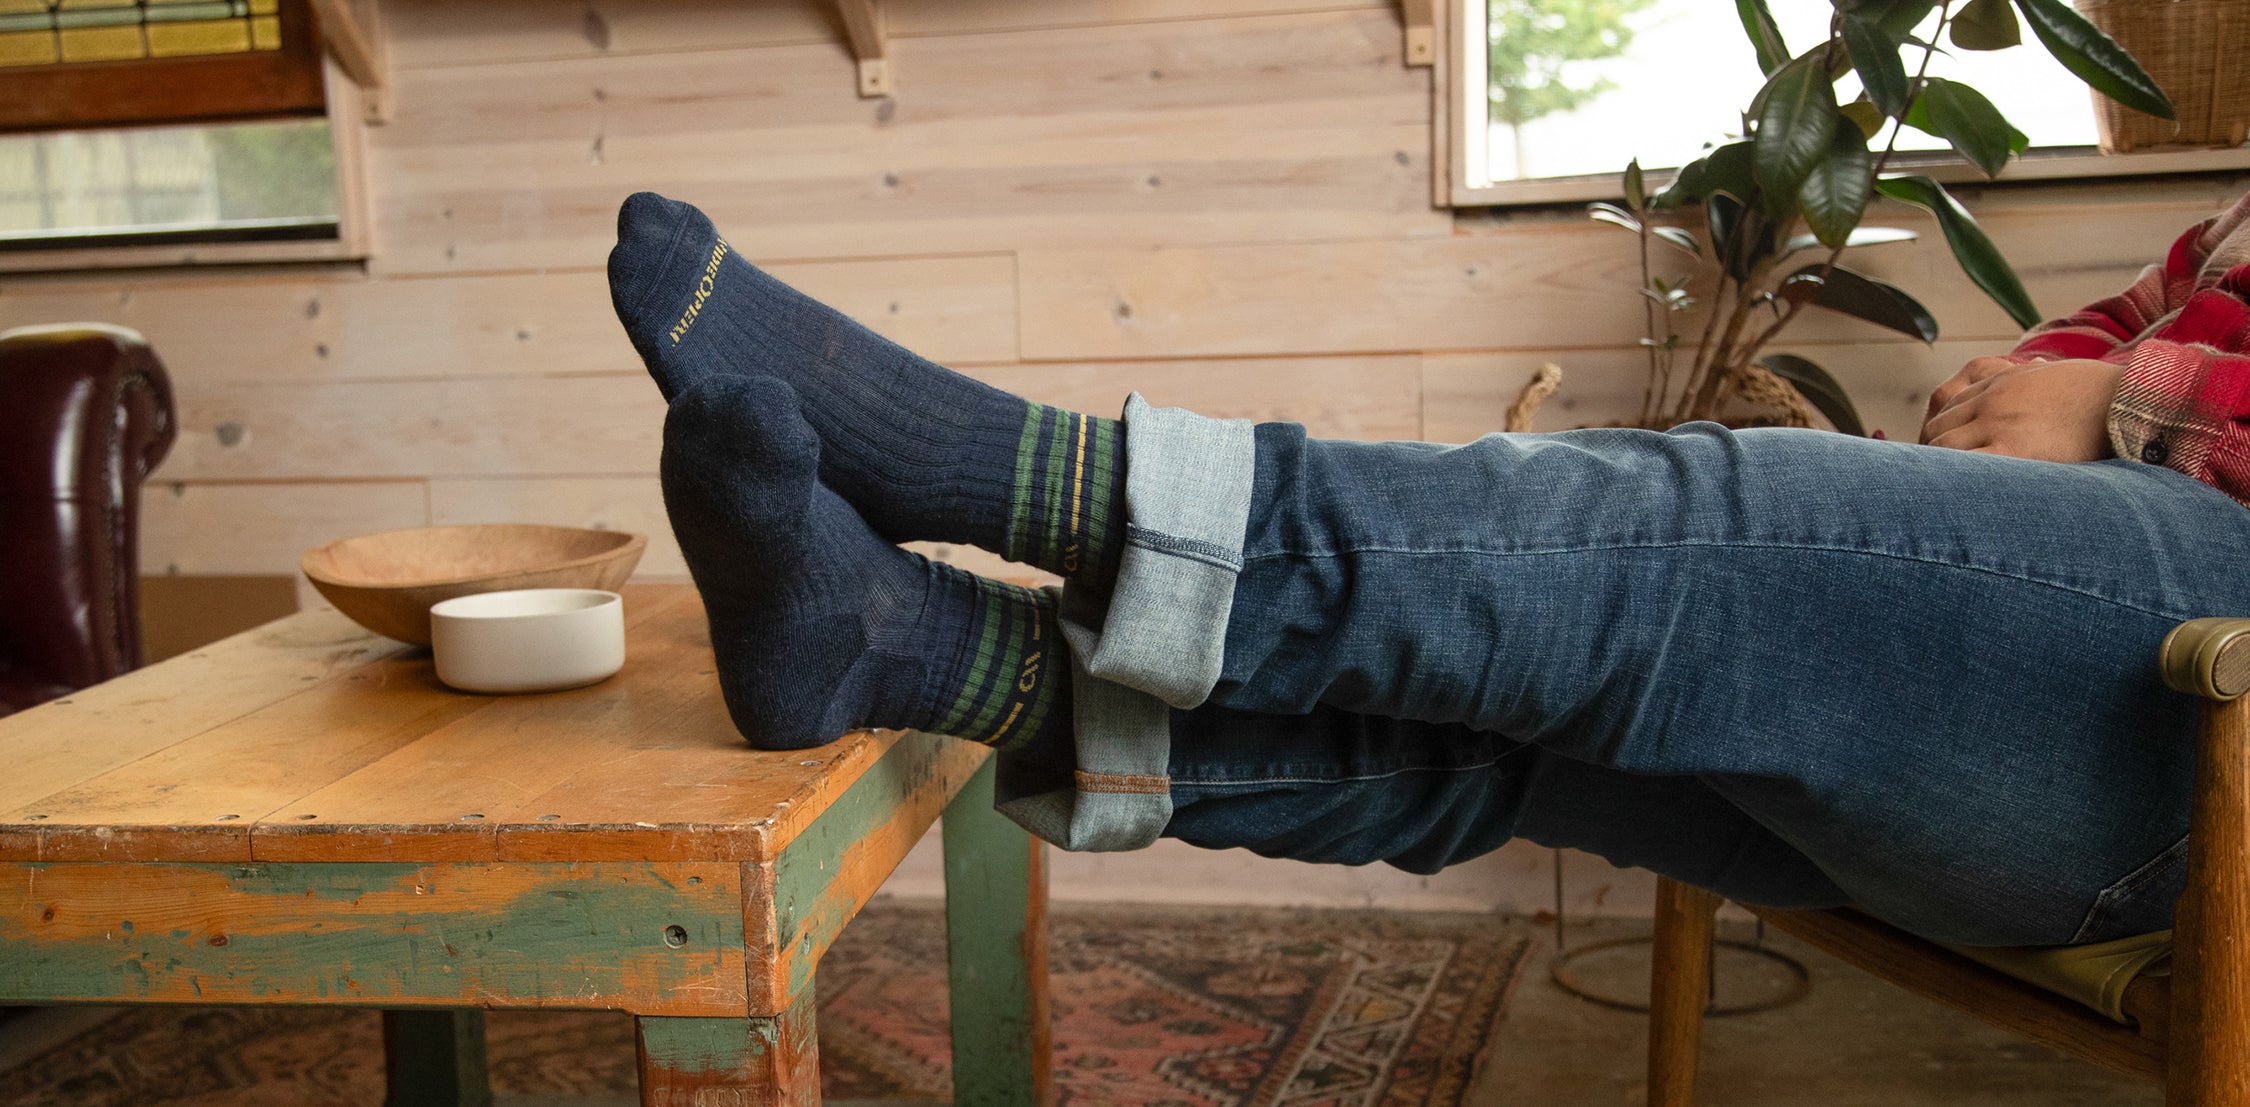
1155, 640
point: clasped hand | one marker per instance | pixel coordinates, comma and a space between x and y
2044, 410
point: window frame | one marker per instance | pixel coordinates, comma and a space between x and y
1452, 186
308, 47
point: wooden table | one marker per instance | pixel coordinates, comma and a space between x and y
302, 814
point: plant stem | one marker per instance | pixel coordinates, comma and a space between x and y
1648, 314
1704, 351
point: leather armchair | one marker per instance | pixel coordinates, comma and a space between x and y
85, 413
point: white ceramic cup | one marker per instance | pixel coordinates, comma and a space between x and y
528, 640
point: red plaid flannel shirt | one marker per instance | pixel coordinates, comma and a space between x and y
2182, 332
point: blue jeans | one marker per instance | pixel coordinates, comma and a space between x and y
1794, 667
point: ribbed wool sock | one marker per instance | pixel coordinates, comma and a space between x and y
922, 452
820, 626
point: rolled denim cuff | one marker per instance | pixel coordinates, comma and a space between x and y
1156, 639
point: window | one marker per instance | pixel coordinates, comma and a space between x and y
223, 182
156, 128
1583, 86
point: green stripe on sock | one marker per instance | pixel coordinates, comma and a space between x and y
1042, 696
1011, 655
1019, 507
1099, 478
975, 682
1058, 447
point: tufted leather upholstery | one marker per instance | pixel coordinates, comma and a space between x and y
85, 414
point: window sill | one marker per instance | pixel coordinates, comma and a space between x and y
2063, 164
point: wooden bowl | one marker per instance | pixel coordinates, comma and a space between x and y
386, 582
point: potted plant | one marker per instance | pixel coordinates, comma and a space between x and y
1770, 215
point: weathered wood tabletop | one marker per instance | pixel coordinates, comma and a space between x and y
303, 814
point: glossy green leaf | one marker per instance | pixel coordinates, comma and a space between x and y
1835, 193
2084, 50
1860, 236
1765, 35
1978, 257
1636, 191
1685, 187
1878, 302
1898, 18
1962, 116
1986, 25
1819, 389
1918, 117
1868, 116
1728, 170
1795, 128
1880, 69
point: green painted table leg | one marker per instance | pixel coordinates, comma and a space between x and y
996, 953
435, 1059
760, 1062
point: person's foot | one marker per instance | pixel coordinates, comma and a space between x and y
819, 625
922, 452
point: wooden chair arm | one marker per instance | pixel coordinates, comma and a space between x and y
2207, 1064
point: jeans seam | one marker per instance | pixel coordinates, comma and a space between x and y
1177, 781
2105, 901
2019, 578
1210, 553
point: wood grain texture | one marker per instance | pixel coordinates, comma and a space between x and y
2210, 957
243, 769
952, 309
1529, 285
451, 791
65, 742
429, 33
996, 953
561, 935
829, 869
500, 426
1939, 974
265, 528
1290, 127
752, 1062
1679, 990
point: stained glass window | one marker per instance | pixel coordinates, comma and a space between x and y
47, 32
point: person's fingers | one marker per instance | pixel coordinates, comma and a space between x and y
1977, 371
1963, 409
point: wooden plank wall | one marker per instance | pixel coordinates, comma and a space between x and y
1223, 204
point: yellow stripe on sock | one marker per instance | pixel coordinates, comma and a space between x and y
1013, 711
1078, 476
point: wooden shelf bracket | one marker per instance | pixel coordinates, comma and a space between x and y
863, 25
353, 33
1421, 32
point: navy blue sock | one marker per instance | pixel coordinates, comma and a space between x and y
820, 626
921, 451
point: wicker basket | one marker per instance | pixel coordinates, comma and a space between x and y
2199, 53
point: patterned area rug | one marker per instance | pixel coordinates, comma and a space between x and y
1175, 1008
